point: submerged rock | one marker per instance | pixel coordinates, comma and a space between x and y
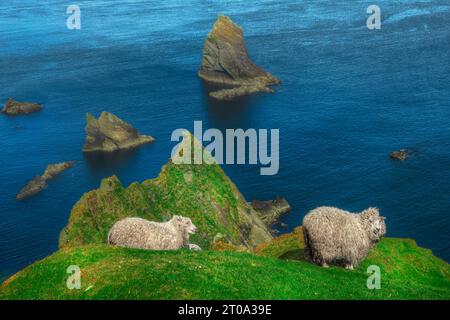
230, 94
13, 107
109, 133
40, 182
270, 211
401, 154
226, 62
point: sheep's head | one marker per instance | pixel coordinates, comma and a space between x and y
373, 224
184, 224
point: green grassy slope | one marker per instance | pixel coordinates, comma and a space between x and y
276, 272
202, 192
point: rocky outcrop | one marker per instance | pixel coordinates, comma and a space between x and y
13, 107
270, 211
202, 192
226, 63
40, 182
401, 154
108, 133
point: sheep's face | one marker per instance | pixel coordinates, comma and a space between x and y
185, 224
374, 224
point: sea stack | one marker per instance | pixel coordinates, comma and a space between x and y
108, 133
39, 183
226, 63
13, 107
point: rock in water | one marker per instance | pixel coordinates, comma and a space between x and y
270, 211
226, 63
13, 107
109, 133
40, 182
401, 154
230, 94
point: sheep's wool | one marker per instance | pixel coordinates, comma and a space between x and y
338, 237
150, 235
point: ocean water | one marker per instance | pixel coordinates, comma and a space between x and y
349, 97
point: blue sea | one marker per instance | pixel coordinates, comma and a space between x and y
349, 96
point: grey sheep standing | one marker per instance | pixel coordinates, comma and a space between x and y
150, 235
338, 237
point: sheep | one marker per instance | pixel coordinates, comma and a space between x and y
338, 237
143, 234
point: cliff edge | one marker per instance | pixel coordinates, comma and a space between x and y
202, 192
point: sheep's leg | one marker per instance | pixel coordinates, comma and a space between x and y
324, 265
194, 247
349, 266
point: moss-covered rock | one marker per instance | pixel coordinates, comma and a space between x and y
202, 192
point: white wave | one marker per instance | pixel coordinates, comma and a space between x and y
416, 13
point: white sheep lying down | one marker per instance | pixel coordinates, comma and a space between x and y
338, 237
143, 234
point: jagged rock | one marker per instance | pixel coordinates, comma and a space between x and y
225, 62
270, 211
208, 197
401, 154
13, 107
108, 133
40, 182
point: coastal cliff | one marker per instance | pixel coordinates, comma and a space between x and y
226, 63
250, 263
201, 192
108, 133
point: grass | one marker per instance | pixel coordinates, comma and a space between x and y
202, 192
277, 271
